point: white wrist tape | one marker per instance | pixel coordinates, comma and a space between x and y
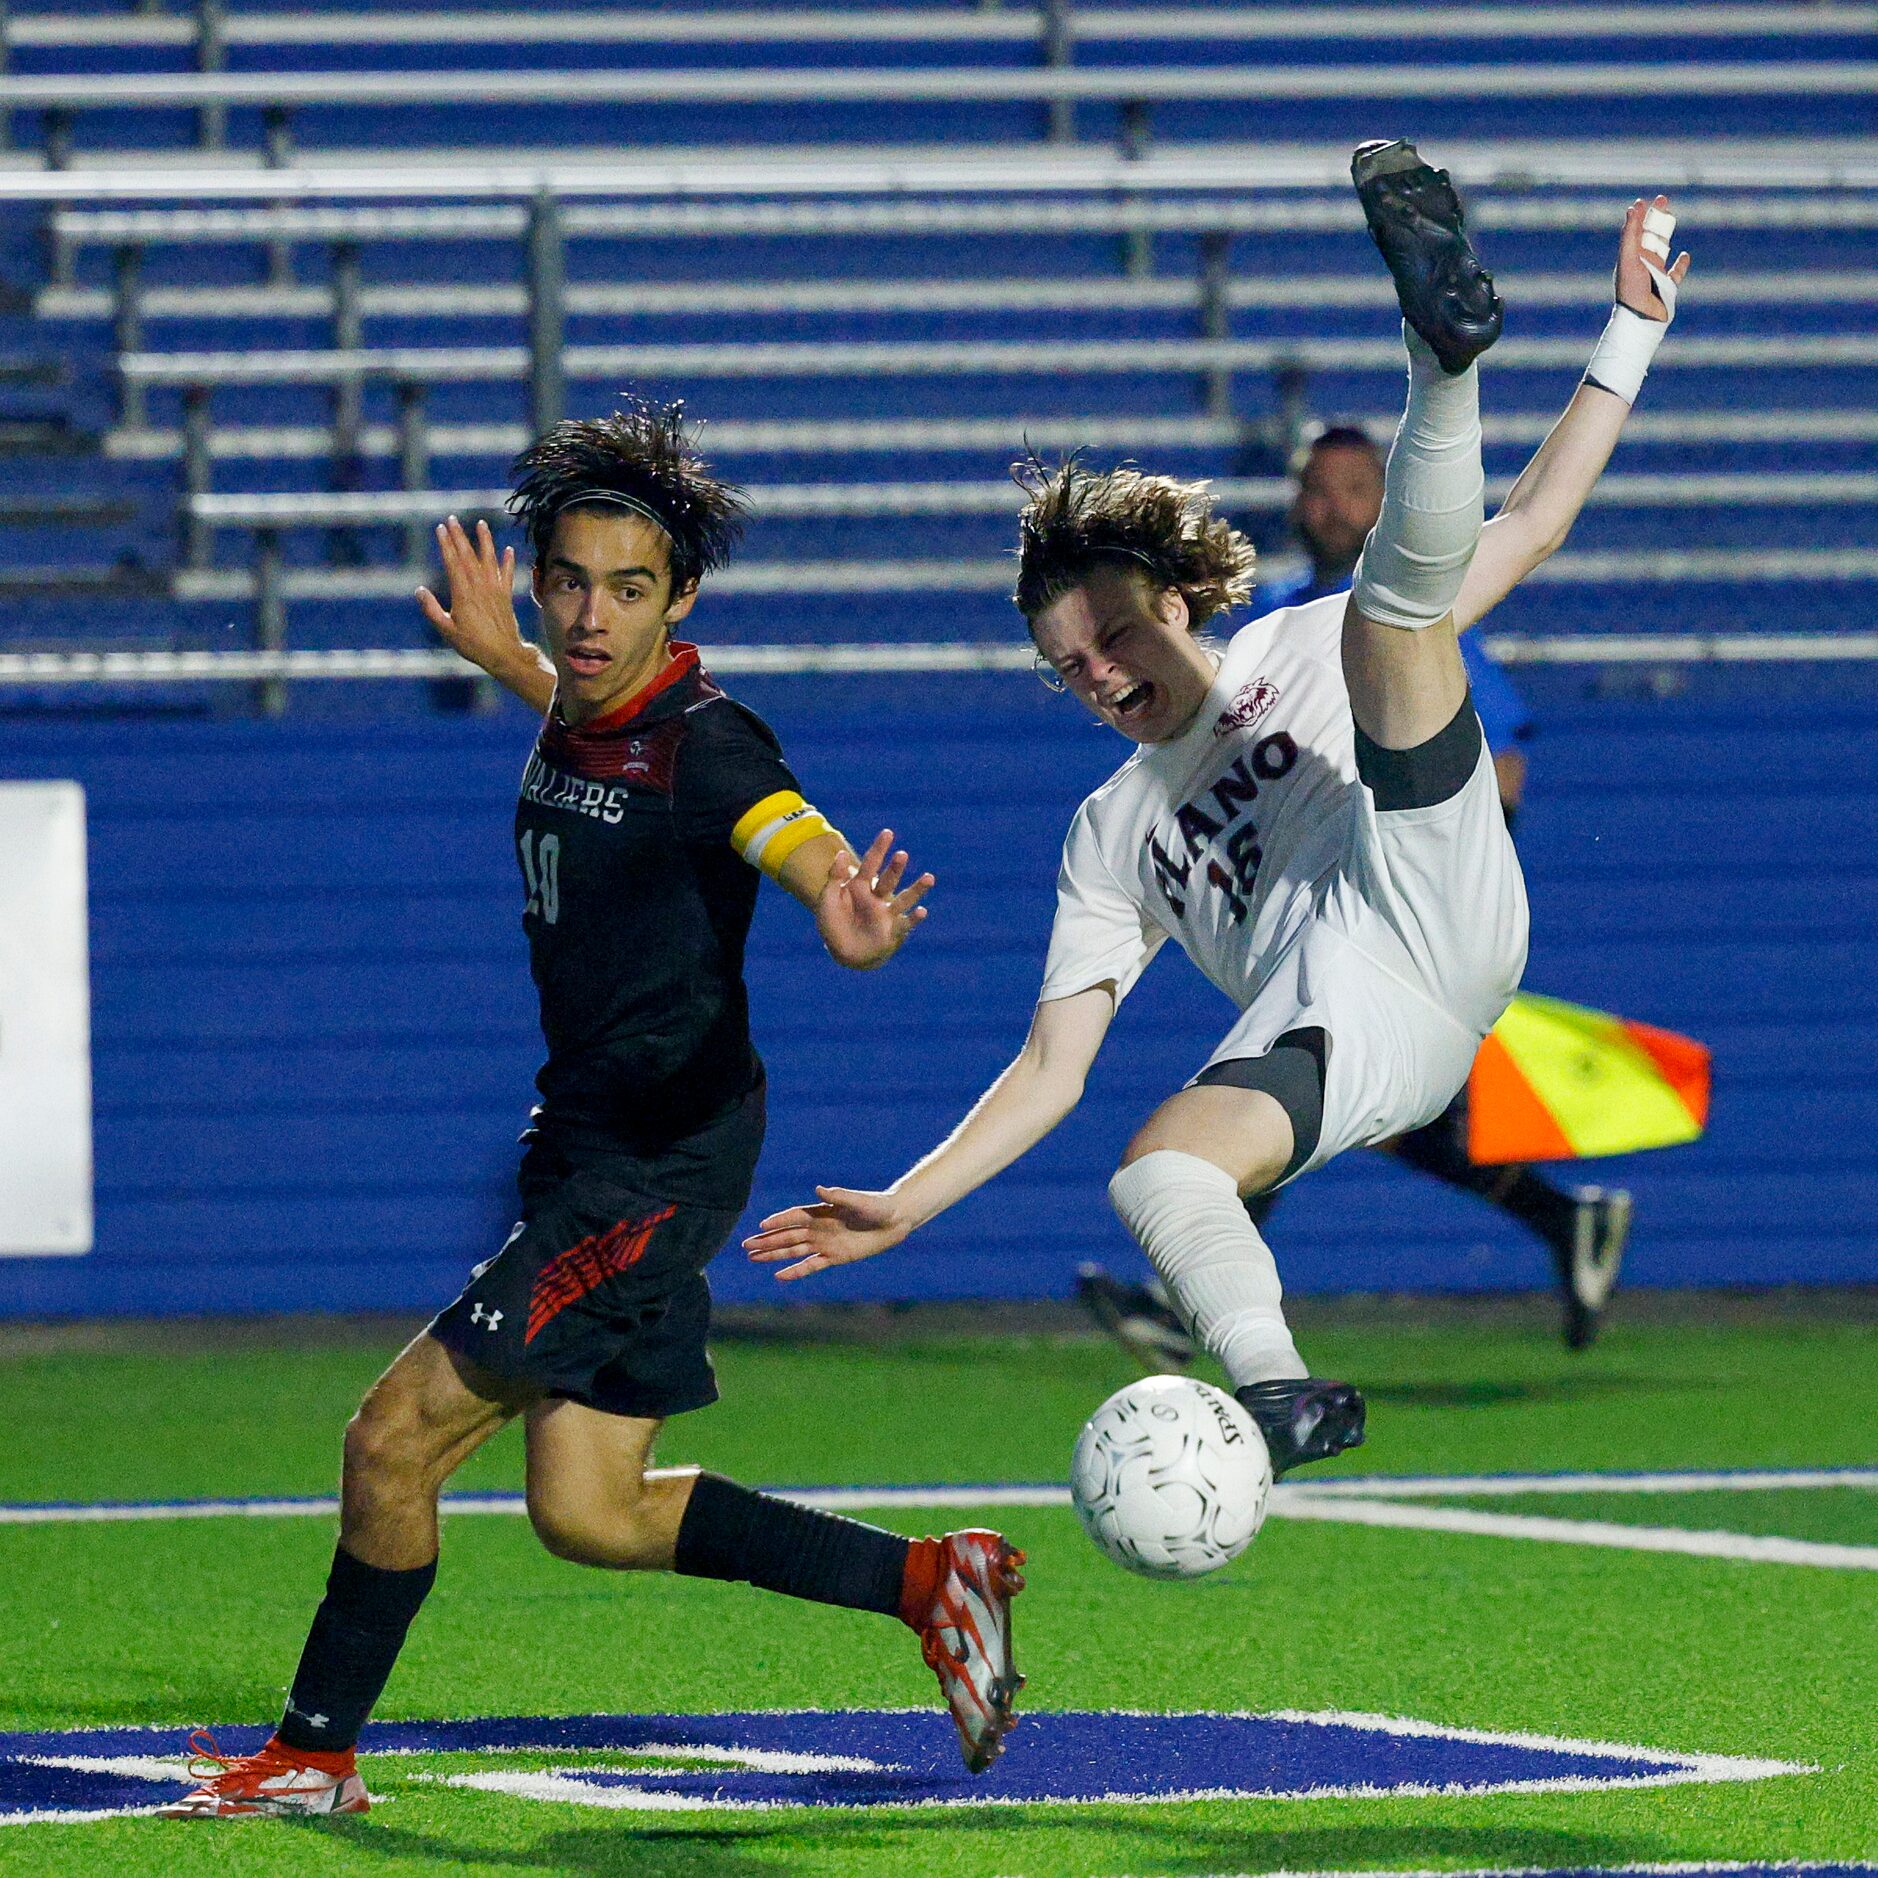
1622, 358
1418, 553
1188, 1218
1623, 354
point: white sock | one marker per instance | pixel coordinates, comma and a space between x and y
1433, 502
1188, 1217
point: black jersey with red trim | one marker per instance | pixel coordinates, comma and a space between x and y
638, 907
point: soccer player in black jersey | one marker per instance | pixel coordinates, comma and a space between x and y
649, 807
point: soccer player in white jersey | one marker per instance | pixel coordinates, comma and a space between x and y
1311, 813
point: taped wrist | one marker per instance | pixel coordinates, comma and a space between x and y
1622, 357
1433, 500
1187, 1216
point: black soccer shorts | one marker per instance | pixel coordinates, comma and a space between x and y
599, 1295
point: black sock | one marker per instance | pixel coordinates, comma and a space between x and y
1439, 1147
357, 1633
734, 1532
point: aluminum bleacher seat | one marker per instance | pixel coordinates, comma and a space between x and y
694, 77
844, 328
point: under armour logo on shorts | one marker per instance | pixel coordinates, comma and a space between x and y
488, 1319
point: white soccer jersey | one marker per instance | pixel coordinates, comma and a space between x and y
1251, 841
1216, 838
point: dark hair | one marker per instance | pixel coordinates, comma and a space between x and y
1077, 519
644, 453
1337, 437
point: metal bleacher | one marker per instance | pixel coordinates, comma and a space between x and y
310, 285
271, 304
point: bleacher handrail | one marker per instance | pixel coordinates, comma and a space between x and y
911, 659
1819, 162
800, 501
442, 300
942, 84
1002, 25
921, 358
994, 573
1144, 214
894, 436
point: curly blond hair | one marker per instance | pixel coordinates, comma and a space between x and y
1076, 519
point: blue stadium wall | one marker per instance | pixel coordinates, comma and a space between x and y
314, 1033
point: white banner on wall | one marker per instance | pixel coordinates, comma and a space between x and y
45, 1021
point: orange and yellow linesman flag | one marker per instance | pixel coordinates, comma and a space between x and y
1554, 1081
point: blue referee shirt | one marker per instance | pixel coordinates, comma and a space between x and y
1503, 713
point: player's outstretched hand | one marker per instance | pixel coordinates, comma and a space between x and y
480, 621
842, 1227
864, 915
1637, 268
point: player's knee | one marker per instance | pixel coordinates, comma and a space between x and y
616, 1537
389, 1445
1263, 1162
563, 1531
374, 1454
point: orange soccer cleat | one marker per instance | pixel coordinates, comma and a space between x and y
961, 1607
276, 1782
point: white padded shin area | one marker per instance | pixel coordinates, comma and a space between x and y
1188, 1218
1433, 500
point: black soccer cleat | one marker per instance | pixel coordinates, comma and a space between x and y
1139, 1317
1588, 1263
1417, 221
1305, 1418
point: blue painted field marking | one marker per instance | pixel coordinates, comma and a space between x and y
904, 1757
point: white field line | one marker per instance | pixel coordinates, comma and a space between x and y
130, 1766
1444, 1486
1755, 1547
1714, 1766
833, 1499
1357, 1502
757, 1760
1368, 1488
58, 1817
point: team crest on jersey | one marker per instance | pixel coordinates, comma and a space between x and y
1249, 704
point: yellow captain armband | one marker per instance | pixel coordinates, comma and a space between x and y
772, 831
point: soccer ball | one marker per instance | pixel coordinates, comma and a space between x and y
1170, 1477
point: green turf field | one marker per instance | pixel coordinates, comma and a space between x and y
179, 1622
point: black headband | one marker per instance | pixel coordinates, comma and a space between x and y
614, 497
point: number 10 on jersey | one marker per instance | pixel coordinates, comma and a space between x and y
541, 869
